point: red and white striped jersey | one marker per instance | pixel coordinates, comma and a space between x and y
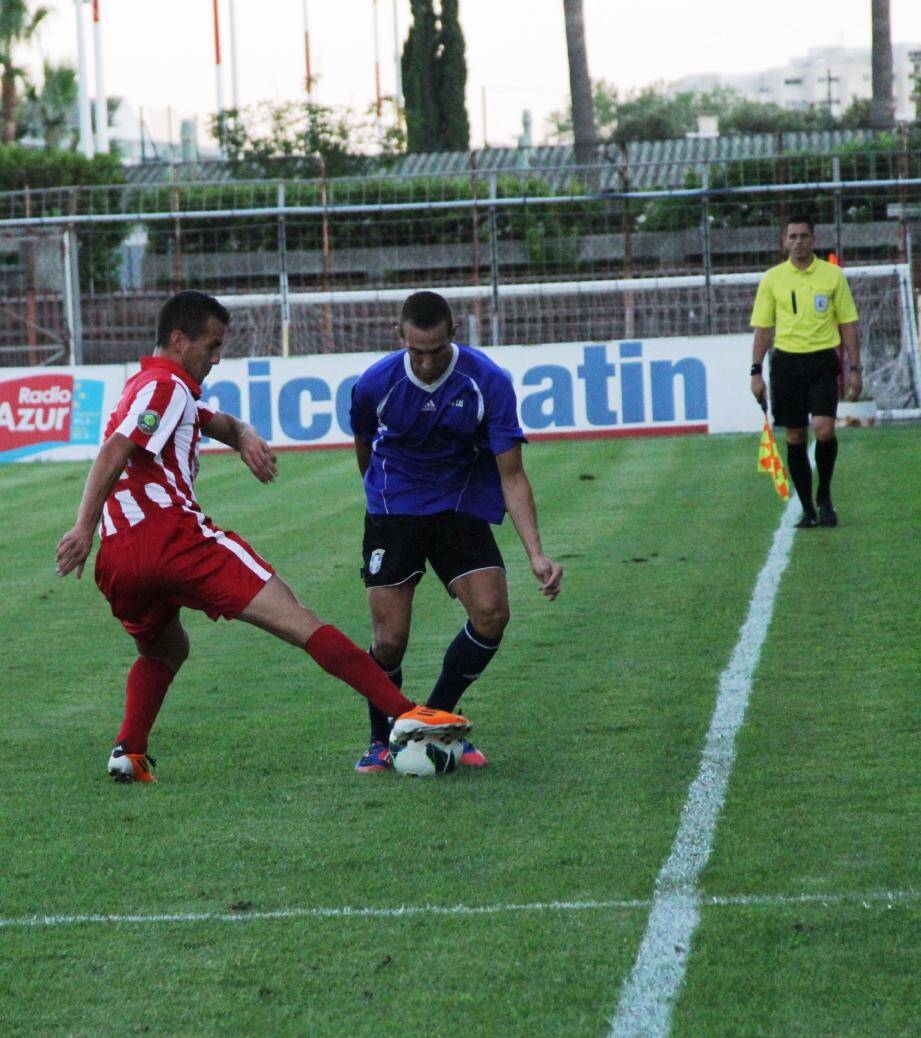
159, 410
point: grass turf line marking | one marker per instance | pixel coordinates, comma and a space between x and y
645, 1005
865, 898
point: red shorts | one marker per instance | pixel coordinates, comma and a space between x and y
150, 571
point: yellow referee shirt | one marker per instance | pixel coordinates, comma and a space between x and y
804, 307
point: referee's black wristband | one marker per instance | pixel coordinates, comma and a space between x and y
855, 367
756, 369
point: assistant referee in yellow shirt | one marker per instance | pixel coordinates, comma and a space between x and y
808, 304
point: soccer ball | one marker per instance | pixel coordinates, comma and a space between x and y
426, 756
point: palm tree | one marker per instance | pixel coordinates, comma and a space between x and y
580, 86
49, 113
882, 108
17, 26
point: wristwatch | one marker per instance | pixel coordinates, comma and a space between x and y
855, 367
756, 369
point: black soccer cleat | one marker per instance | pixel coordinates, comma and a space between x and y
808, 522
827, 514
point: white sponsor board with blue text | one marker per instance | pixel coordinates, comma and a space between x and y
620, 388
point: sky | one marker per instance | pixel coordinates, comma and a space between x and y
160, 55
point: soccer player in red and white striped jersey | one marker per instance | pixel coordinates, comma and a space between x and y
159, 552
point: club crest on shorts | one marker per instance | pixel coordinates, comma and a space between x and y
148, 422
821, 304
374, 563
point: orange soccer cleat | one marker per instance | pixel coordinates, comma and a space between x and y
131, 767
423, 721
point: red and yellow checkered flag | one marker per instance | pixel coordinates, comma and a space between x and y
769, 460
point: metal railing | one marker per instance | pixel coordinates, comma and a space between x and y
84, 273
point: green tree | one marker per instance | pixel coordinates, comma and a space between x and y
48, 112
450, 77
580, 86
293, 139
17, 27
423, 125
656, 113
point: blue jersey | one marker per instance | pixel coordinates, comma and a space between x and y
434, 447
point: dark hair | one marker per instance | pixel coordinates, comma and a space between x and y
426, 310
188, 312
801, 217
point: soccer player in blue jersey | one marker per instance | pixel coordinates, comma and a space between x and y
438, 444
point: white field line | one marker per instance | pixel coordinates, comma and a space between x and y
864, 898
648, 995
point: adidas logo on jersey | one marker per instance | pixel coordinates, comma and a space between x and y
429, 405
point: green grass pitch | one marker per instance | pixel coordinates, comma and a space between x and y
593, 716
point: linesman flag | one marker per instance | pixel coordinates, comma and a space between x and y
769, 460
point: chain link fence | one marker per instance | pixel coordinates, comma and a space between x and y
321, 266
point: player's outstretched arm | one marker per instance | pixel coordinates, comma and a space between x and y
519, 500
74, 547
254, 451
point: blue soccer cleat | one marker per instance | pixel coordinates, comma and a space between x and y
471, 757
376, 758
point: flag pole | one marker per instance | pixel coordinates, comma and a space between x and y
102, 108
234, 57
307, 55
398, 67
218, 70
83, 97
378, 107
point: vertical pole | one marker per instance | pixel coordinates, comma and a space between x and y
83, 96
708, 257
68, 299
31, 302
283, 275
72, 316
102, 108
836, 176
218, 69
328, 344
494, 265
483, 102
378, 104
307, 55
903, 198
397, 67
177, 233
629, 298
477, 314
234, 57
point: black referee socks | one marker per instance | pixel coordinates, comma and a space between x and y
825, 453
466, 659
801, 474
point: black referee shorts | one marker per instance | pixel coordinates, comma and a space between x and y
804, 384
397, 547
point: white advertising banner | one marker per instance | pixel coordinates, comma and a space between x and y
565, 390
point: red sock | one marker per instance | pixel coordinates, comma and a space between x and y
148, 681
342, 658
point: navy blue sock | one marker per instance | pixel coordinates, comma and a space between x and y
801, 474
380, 726
825, 453
466, 659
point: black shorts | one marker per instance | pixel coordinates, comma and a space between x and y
396, 547
804, 384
